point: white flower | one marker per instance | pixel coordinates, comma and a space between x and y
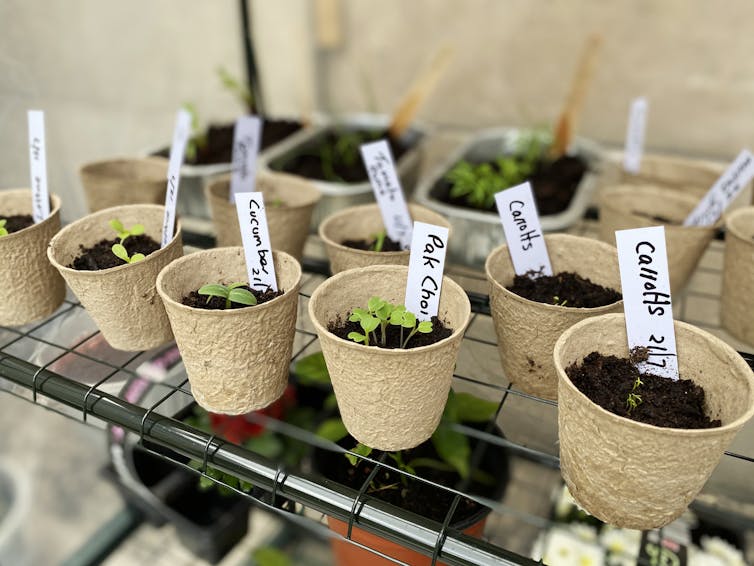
701, 558
623, 542
586, 533
562, 548
728, 553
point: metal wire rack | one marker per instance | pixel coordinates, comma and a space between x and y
78, 375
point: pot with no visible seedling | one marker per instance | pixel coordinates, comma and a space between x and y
737, 300
121, 181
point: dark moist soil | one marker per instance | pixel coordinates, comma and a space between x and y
16, 222
308, 162
417, 496
197, 301
341, 328
219, 147
101, 256
608, 380
577, 291
388, 245
553, 183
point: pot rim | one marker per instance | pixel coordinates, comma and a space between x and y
207, 313
215, 189
54, 211
336, 279
545, 306
639, 426
92, 167
732, 226
73, 226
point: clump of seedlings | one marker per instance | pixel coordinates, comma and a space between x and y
380, 314
119, 250
634, 399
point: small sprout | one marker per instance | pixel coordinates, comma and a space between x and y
119, 250
634, 399
556, 301
198, 140
379, 241
235, 86
232, 293
3, 229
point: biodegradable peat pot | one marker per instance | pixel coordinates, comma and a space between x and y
737, 309
634, 475
117, 182
288, 223
639, 206
389, 399
32, 287
363, 222
237, 360
527, 330
122, 300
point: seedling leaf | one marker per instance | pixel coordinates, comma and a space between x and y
332, 429
453, 447
312, 370
120, 251
473, 409
215, 290
137, 229
117, 225
425, 327
361, 450
356, 337
242, 296
136, 257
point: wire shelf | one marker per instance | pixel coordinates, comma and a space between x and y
64, 364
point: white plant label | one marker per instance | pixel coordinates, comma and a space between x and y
523, 232
40, 197
388, 192
247, 136
722, 193
177, 150
637, 123
426, 265
255, 235
643, 261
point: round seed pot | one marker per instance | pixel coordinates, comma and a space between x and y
32, 287
389, 399
237, 360
527, 330
288, 223
122, 300
632, 206
363, 222
737, 309
634, 475
117, 182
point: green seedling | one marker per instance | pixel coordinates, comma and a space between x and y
119, 250
634, 399
232, 293
379, 314
556, 301
344, 151
3, 229
236, 87
379, 241
198, 139
407, 320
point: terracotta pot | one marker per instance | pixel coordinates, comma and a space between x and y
32, 287
122, 300
634, 475
121, 181
623, 207
389, 399
737, 308
237, 360
527, 330
289, 223
363, 222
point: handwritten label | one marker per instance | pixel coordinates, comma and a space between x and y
643, 261
255, 236
426, 265
40, 197
523, 232
388, 192
637, 123
247, 136
177, 150
722, 193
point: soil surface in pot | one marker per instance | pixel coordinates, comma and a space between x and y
393, 337
219, 146
608, 381
335, 156
101, 256
554, 183
566, 289
16, 222
197, 301
416, 496
388, 245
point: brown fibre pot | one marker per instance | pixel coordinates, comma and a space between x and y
634, 206
634, 475
389, 399
363, 222
122, 300
237, 360
737, 300
33, 288
527, 330
121, 181
288, 222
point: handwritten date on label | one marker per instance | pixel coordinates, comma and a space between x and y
255, 236
648, 306
40, 198
246, 139
426, 265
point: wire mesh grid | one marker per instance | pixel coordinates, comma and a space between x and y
77, 374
